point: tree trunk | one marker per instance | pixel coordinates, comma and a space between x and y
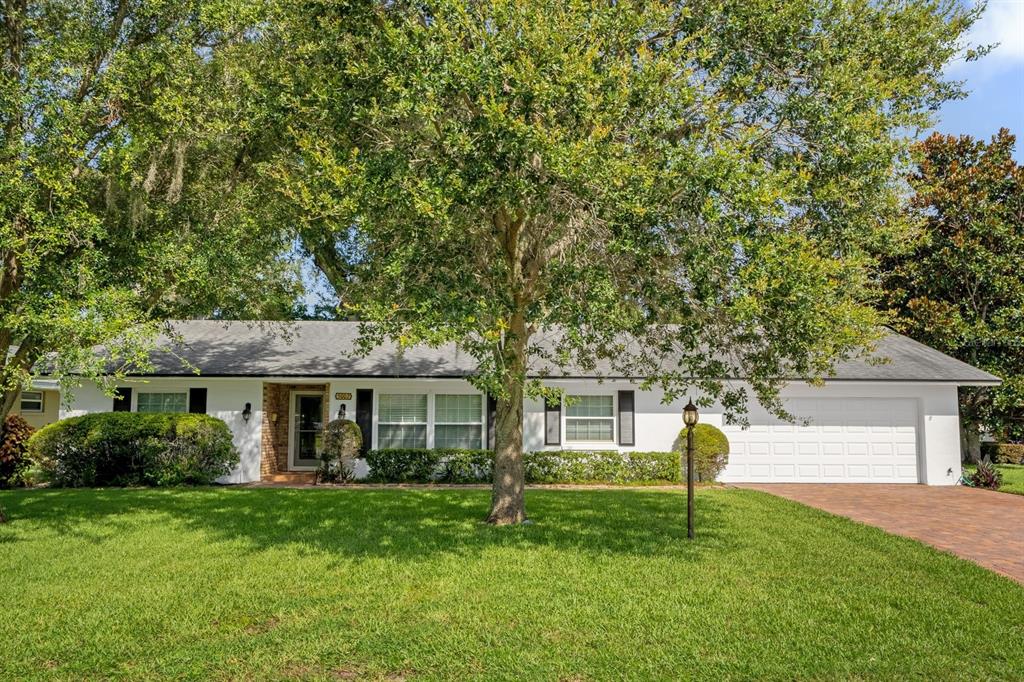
970, 440
7, 400
508, 505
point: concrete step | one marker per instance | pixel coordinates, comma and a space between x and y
290, 477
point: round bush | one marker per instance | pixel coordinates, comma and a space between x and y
14, 461
710, 451
129, 448
342, 440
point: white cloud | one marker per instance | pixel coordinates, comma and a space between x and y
1003, 23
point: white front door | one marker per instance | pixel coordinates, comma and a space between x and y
306, 429
846, 440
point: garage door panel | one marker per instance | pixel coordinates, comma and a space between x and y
857, 471
849, 439
809, 471
833, 471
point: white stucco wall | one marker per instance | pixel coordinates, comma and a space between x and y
225, 399
656, 425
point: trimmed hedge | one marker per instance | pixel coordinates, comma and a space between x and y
1003, 453
415, 465
129, 448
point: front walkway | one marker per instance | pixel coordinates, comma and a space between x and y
983, 526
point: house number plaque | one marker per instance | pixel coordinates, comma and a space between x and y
343, 396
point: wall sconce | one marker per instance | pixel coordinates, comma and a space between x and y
247, 412
341, 411
273, 417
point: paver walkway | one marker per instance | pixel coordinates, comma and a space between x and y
983, 526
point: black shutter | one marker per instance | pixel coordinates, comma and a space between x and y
492, 411
552, 424
364, 417
626, 418
122, 400
197, 400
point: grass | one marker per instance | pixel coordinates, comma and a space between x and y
408, 584
1013, 477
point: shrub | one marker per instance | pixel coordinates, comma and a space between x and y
342, 440
14, 461
129, 448
601, 466
466, 466
403, 465
1003, 453
985, 476
710, 451
416, 465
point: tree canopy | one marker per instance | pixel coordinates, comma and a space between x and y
490, 173
961, 287
127, 184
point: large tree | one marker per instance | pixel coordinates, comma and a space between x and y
127, 190
961, 287
547, 184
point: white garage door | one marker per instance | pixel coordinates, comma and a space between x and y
847, 440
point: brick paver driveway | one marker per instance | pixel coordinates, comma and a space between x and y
983, 526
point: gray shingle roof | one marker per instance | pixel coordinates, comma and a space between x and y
326, 349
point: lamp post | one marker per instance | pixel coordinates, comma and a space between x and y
690, 419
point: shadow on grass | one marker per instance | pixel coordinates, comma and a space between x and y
403, 524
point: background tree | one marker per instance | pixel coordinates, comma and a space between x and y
546, 183
127, 192
961, 287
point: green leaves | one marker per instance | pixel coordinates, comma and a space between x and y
128, 145
579, 173
959, 288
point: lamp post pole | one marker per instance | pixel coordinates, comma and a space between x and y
689, 481
690, 417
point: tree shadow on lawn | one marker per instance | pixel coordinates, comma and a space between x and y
396, 523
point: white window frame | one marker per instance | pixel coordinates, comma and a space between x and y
613, 441
137, 394
41, 400
427, 425
482, 423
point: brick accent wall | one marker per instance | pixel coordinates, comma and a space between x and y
274, 459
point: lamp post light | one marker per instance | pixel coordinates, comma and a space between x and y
690, 417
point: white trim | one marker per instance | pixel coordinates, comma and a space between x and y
482, 422
612, 443
413, 387
428, 431
292, 395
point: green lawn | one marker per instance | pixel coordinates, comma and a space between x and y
1013, 477
388, 583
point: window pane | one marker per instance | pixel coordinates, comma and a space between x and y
468, 437
31, 401
402, 435
590, 406
162, 402
402, 409
458, 409
588, 429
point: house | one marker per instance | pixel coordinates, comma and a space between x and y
39, 405
893, 422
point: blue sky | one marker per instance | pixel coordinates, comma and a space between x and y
996, 82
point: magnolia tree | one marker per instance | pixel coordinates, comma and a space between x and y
961, 288
683, 192
126, 186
